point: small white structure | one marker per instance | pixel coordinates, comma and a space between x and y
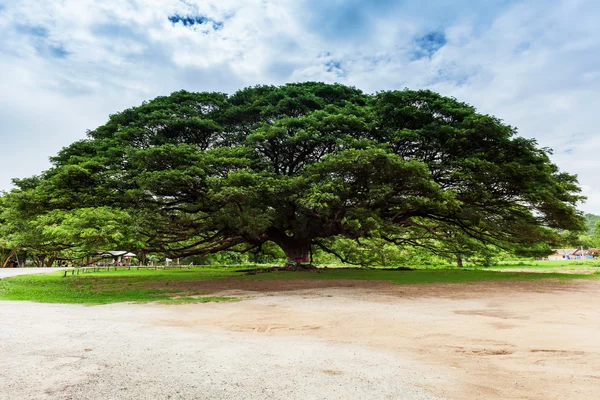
118, 255
569, 254
561, 254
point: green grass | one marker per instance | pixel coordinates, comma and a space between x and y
104, 287
176, 286
550, 266
549, 263
421, 276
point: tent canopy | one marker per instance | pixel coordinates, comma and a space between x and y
116, 253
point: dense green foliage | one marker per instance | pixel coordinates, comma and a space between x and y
296, 167
588, 239
591, 221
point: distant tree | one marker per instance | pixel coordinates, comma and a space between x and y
7, 250
595, 237
298, 164
591, 221
575, 239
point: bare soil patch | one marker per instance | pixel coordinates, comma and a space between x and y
494, 340
313, 338
461, 290
265, 285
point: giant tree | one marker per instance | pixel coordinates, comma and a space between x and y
300, 164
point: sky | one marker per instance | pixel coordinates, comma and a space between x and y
66, 65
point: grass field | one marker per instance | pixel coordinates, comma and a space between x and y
563, 266
551, 263
154, 285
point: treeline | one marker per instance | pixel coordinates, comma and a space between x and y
586, 239
49, 247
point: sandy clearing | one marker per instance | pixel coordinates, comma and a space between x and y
495, 340
117, 352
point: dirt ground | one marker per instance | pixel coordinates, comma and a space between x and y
298, 339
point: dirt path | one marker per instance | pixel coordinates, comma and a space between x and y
8, 272
501, 340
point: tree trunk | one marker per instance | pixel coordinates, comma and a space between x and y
8, 258
383, 258
38, 261
459, 261
46, 261
296, 250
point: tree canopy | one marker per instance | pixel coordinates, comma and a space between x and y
298, 165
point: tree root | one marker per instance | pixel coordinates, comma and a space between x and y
287, 268
396, 269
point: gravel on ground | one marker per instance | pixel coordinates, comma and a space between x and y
486, 340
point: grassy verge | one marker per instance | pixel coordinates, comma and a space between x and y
549, 263
105, 287
172, 286
422, 276
550, 266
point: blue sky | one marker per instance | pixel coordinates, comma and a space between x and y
66, 65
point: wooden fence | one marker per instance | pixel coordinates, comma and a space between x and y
83, 270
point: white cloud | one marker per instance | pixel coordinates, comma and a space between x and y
64, 66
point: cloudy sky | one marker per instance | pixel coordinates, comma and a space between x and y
65, 65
